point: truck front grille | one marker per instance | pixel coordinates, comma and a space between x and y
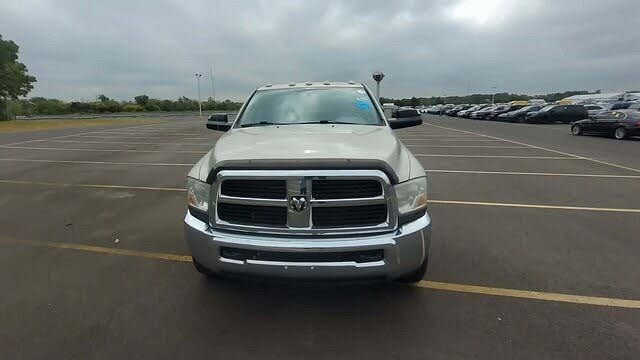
349, 216
265, 189
303, 201
345, 189
253, 215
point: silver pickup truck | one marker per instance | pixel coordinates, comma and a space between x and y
310, 181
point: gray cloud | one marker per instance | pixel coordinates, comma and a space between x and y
79, 49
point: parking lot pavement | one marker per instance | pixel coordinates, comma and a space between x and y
533, 254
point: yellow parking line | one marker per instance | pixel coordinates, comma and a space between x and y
533, 173
424, 284
500, 156
533, 206
105, 150
540, 147
100, 186
96, 162
104, 250
534, 295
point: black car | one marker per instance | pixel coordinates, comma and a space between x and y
621, 105
518, 115
619, 123
558, 113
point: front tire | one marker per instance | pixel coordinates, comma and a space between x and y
576, 129
620, 133
417, 275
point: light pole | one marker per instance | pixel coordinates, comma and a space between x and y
378, 76
493, 95
213, 91
198, 76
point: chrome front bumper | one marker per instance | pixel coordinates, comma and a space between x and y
404, 251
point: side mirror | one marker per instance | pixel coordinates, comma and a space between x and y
404, 117
219, 122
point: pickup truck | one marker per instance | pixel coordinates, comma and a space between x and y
309, 181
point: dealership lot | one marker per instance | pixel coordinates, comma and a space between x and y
534, 254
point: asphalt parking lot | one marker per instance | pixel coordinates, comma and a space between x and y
534, 254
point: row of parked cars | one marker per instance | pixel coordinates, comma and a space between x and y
620, 120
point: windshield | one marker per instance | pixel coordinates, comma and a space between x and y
547, 108
308, 106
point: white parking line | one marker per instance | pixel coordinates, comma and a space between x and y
149, 133
532, 206
500, 156
102, 186
464, 140
533, 174
82, 133
541, 148
436, 136
95, 162
468, 146
131, 137
104, 150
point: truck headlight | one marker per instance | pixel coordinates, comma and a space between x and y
198, 194
412, 198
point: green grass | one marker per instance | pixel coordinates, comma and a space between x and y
54, 124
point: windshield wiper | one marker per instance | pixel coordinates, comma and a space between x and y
261, 123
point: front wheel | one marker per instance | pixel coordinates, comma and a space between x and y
620, 133
417, 275
576, 129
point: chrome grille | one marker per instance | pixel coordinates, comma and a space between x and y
303, 201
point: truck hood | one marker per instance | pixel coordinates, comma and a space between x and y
312, 146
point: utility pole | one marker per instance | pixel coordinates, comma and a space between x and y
6, 107
213, 91
198, 76
493, 95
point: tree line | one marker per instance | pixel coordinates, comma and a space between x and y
481, 98
103, 104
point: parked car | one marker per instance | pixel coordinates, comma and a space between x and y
518, 115
454, 111
467, 113
434, 109
558, 113
621, 105
594, 109
514, 105
484, 113
620, 124
344, 200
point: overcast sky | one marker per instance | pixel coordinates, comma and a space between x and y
122, 48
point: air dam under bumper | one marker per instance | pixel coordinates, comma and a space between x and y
404, 251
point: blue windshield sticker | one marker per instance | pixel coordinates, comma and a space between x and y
363, 104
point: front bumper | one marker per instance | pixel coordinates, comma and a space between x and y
404, 251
